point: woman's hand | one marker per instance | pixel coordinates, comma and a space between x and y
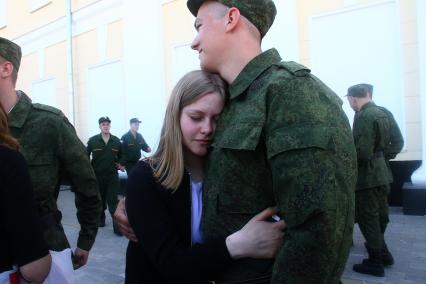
258, 238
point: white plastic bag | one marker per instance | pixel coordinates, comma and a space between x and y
61, 271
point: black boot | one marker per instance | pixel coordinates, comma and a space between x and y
387, 257
373, 265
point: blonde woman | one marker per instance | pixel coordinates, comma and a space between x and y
164, 194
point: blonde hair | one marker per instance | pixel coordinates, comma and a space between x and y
5, 138
168, 160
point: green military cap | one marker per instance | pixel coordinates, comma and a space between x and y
260, 13
103, 119
11, 52
135, 120
360, 90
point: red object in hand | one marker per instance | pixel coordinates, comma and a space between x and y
14, 277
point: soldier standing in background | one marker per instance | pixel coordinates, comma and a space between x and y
371, 131
132, 143
105, 149
51, 147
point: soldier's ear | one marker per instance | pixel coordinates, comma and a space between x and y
232, 18
6, 69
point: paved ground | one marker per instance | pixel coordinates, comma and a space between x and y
406, 237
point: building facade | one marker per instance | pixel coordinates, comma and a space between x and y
121, 58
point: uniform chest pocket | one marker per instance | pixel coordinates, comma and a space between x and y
239, 136
245, 186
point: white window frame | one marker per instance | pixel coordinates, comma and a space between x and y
37, 4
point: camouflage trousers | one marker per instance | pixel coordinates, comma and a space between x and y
372, 214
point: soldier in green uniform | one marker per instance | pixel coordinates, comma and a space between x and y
105, 149
282, 139
52, 149
132, 143
372, 135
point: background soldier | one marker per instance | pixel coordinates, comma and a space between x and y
105, 149
371, 131
132, 144
50, 146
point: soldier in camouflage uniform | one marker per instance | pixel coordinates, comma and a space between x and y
282, 139
372, 135
132, 143
105, 149
51, 148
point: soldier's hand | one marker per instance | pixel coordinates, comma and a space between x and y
80, 257
258, 238
120, 217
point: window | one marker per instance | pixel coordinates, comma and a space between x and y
37, 4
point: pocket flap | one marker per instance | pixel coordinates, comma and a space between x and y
286, 139
239, 136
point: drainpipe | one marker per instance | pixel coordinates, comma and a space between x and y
419, 176
70, 65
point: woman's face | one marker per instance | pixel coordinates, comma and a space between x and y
198, 123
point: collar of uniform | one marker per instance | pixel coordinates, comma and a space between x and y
20, 111
252, 70
367, 105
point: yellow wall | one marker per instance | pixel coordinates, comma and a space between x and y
55, 61
29, 63
20, 9
178, 29
115, 40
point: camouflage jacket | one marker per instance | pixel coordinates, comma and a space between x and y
396, 141
131, 147
53, 151
371, 135
282, 139
105, 156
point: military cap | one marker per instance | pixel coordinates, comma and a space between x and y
261, 13
11, 52
135, 120
103, 119
359, 90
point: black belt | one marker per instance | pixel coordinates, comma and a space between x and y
50, 220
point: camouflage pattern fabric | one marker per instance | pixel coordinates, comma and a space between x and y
372, 136
11, 52
283, 139
372, 214
396, 139
52, 150
261, 13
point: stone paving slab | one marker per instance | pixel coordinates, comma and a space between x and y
405, 236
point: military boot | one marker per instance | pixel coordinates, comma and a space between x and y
373, 265
387, 257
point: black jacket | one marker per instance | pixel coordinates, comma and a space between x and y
162, 223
